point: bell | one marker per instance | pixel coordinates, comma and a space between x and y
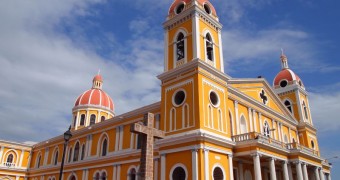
209, 46
180, 45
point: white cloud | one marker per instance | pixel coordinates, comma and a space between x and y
43, 71
325, 110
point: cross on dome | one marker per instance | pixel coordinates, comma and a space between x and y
284, 60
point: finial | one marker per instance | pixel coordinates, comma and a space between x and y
282, 52
284, 60
98, 71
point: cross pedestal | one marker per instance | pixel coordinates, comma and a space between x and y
148, 133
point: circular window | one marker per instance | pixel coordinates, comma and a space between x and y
179, 8
214, 99
283, 83
207, 8
178, 98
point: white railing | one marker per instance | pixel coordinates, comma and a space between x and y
8, 164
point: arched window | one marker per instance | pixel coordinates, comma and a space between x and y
266, 129
289, 106
139, 141
92, 119
102, 118
103, 177
96, 176
185, 119
82, 120
220, 122
218, 174
178, 174
209, 47
76, 152
56, 154
172, 119
69, 155
180, 52
10, 158
243, 125
132, 174
104, 148
211, 117
72, 177
305, 110
82, 152
38, 161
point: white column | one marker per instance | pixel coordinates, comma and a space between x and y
220, 48
250, 120
285, 170
118, 171
304, 170
206, 163
1, 151
117, 138
282, 137
279, 130
272, 169
194, 164
231, 170
316, 173
257, 166
322, 175
114, 176
155, 172
21, 157
83, 174
121, 133
196, 37
86, 174
17, 177
260, 121
290, 172
166, 47
163, 163
298, 171
77, 121
240, 170
254, 119
236, 118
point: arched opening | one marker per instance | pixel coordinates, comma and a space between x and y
96, 176
103, 177
243, 125
209, 47
178, 174
266, 129
104, 147
185, 119
288, 105
82, 120
92, 119
56, 154
76, 152
132, 174
305, 110
69, 154
72, 177
218, 174
10, 158
180, 50
102, 118
38, 161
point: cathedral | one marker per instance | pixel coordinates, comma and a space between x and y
216, 127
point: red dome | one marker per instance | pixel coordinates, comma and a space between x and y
202, 2
95, 97
288, 75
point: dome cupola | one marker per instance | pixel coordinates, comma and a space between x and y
286, 76
93, 105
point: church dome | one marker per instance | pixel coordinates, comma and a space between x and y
180, 4
286, 76
95, 97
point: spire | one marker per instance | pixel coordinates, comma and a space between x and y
97, 81
284, 60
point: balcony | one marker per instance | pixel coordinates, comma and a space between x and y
9, 165
260, 138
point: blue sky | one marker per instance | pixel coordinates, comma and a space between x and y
50, 50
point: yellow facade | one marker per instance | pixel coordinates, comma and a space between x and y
216, 126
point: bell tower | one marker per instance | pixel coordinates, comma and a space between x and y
194, 86
192, 31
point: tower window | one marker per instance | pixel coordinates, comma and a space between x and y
82, 152
179, 8
207, 8
218, 174
283, 83
10, 158
132, 174
179, 174
289, 106
92, 119
209, 47
76, 152
82, 120
104, 148
312, 144
180, 46
305, 110
69, 155
56, 157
